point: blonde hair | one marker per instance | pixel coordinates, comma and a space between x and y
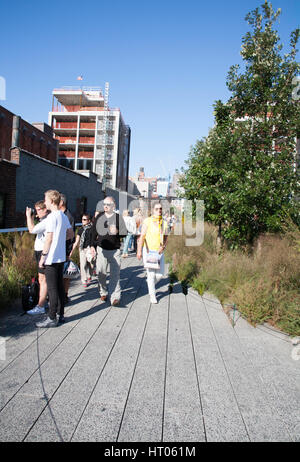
137, 211
54, 196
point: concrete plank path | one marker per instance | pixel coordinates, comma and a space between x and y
178, 371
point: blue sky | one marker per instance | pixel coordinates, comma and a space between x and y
166, 62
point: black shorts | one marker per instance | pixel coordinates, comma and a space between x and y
37, 254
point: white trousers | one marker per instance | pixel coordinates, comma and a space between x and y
154, 275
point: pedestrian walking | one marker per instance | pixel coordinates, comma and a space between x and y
99, 208
40, 230
107, 229
69, 244
58, 230
131, 228
151, 246
139, 218
83, 240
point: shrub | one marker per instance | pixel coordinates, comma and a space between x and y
263, 283
18, 265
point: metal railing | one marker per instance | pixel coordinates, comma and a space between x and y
21, 230
13, 230
75, 88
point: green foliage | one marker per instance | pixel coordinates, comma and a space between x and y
244, 170
187, 269
264, 284
198, 285
18, 265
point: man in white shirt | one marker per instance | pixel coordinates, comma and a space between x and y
53, 257
39, 230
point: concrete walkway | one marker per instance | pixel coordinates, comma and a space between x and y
173, 372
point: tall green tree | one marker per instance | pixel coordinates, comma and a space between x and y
245, 170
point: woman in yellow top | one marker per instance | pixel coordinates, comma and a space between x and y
153, 238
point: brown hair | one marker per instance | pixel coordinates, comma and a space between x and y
54, 196
40, 204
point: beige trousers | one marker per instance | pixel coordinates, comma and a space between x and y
85, 267
113, 259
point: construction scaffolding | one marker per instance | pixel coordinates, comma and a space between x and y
105, 128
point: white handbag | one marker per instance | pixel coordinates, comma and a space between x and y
152, 259
89, 256
71, 270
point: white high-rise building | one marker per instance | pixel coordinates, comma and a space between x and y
91, 135
162, 189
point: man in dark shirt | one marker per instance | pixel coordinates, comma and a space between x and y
107, 229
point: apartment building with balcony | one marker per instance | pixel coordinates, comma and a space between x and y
91, 135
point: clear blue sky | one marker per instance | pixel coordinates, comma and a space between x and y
166, 62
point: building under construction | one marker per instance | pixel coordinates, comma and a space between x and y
91, 135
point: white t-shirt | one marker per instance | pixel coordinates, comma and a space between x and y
57, 223
40, 230
130, 224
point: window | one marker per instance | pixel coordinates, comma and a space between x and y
85, 164
69, 163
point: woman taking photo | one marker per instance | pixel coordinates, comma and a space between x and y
151, 246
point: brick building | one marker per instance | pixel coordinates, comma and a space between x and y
8, 172
36, 138
28, 167
27, 176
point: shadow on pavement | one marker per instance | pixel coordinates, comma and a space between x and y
14, 322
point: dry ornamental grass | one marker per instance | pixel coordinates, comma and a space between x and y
263, 283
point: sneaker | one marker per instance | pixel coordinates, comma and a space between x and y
37, 310
61, 320
89, 280
115, 302
84, 284
103, 298
153, 299
47, 323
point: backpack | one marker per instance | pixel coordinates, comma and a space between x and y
30, 295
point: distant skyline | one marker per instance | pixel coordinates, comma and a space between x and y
166, 63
